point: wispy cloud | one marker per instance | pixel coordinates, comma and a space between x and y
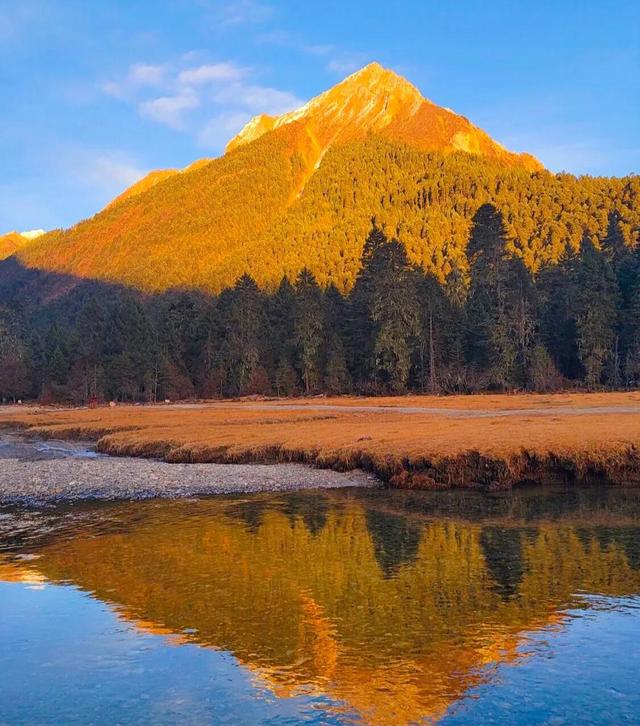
258, 99
108, 172
346, 63
211, 73
336, 59
170, 110
17, 19
236, 12
139, 76
210, 100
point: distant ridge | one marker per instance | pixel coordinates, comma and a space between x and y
11, 242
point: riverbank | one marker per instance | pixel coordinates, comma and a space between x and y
487, 442
36, 473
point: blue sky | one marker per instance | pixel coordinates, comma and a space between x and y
97, 92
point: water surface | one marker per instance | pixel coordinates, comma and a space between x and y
336, 607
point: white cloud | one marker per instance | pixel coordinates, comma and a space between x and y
209, 100
146, 74
219, 129
346, 64
140, 75
18, 19
258, 99
211, 73
240, 12
111, 171
170, 110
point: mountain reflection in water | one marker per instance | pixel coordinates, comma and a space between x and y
391, 605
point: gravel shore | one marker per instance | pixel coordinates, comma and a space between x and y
37, 473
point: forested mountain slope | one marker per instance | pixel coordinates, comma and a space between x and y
301, 190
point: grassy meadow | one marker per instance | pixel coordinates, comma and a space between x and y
426, 442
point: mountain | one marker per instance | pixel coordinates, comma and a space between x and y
11, 242
300, 190
378, 101
151, 179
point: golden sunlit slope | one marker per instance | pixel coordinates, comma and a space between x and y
300, 190
378, 101
11, 242
153, 178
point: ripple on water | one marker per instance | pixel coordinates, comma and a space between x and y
324, 607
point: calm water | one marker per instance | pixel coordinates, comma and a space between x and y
324, 608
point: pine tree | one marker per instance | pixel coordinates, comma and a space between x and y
130, 352
242, 321
595, 312
89, 335
360, 329
281, 314
431, 346
631, 329
395, 311
456, 294
622, 261
286, 378
15, 359
309, 330
555, 287
523, 314
337, 378
491, 344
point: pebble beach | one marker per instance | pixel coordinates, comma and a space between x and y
36, 473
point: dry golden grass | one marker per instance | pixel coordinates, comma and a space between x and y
489, 441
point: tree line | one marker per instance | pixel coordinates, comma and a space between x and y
491, 325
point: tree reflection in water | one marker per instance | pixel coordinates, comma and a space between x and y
394, 604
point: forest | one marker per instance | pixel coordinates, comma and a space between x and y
243, 213
492, 325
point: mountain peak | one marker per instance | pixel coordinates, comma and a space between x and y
376, 100
366, 101
380, 79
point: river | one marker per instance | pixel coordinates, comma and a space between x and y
336, 607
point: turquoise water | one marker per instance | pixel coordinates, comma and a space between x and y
324, 608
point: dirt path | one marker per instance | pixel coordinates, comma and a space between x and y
433, 411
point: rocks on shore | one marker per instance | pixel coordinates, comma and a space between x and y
35, 473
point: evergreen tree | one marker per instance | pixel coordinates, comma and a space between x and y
15, 361
243, 329
336, 373
396, 313
309, 329
431, 347
555, 287
522, 311
282, 321
631, 329
489, 346
130, 353
595, 314
360, 329
456, 293
89, 337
